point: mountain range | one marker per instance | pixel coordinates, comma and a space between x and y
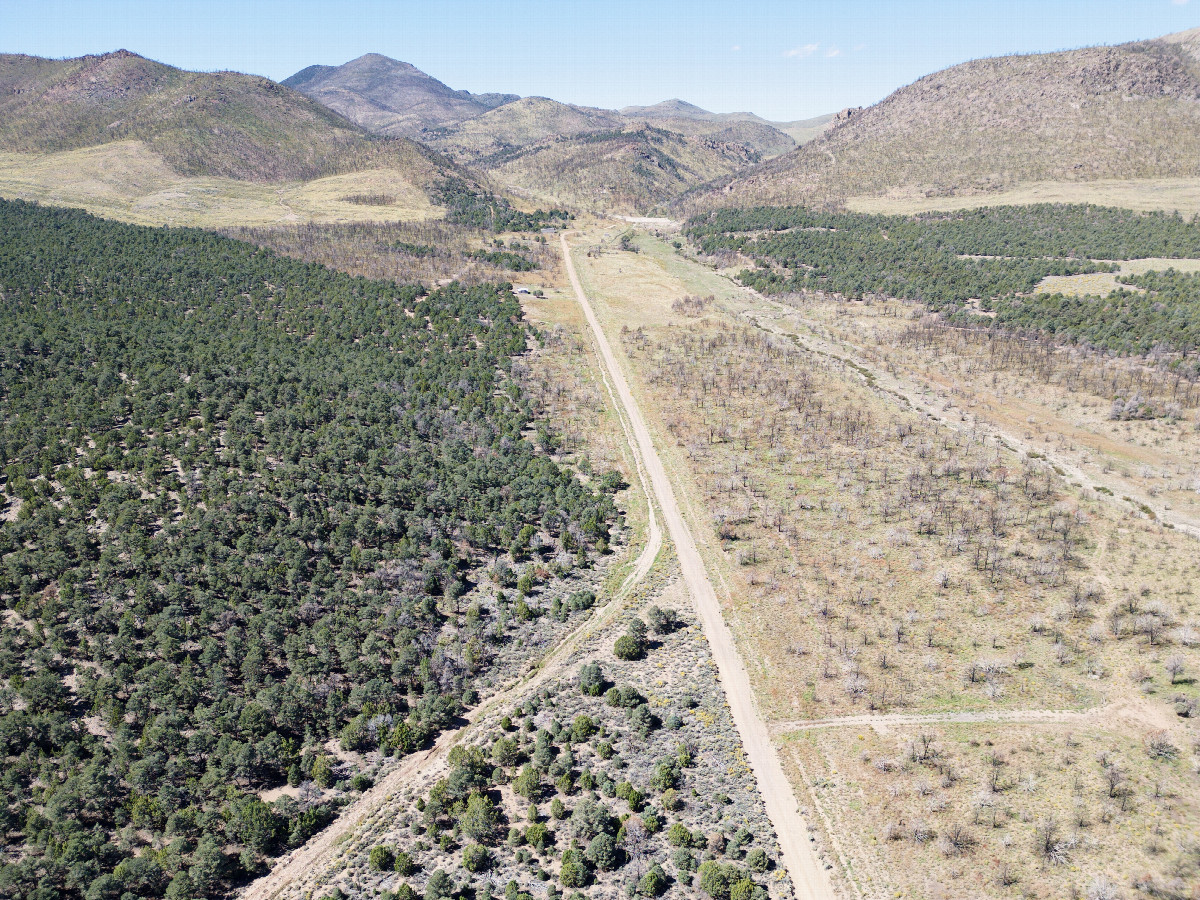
624, 160
392, 97
1127, 113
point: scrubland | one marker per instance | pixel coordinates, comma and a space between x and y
885, 555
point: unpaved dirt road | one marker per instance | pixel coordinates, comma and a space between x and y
293, 870
1135, 713
807, 873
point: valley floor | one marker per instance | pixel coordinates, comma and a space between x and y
783, 545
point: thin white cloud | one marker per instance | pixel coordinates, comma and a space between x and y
736, 47
1180, 2
801, 52
832, 52
858, 47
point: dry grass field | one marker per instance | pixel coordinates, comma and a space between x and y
1057, 404
126, 181
1144, 194
887, 553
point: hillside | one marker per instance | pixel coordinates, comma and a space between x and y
516, 125
766, 137
631, 169
389, 96
214, 124
804, 130
1124, 112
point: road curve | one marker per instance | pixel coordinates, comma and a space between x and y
808, 875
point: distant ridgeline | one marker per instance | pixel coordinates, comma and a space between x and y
467, 205
242, 496
993, 256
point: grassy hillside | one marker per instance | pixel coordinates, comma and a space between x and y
213, 124
1126, 112
126, 180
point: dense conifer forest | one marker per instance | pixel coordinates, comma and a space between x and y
988, 260
243, 497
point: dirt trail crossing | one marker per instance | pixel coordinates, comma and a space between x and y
807, 873
1136, 714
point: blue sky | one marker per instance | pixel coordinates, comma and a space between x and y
783, 60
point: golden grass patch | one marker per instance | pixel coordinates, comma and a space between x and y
124, 180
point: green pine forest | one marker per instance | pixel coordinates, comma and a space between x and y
987, 260
243, 499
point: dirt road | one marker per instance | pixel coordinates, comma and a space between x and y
807, 873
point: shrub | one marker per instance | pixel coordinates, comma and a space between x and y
405, 892
627, 647
678, 835
602, 852
557, 809
404, 864
574, 873
582, 728
756, 860
591, 680
653, 882
476, 858
439, 886
382, 859
671, 801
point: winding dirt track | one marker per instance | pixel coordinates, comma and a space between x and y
294, 869
806, 871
